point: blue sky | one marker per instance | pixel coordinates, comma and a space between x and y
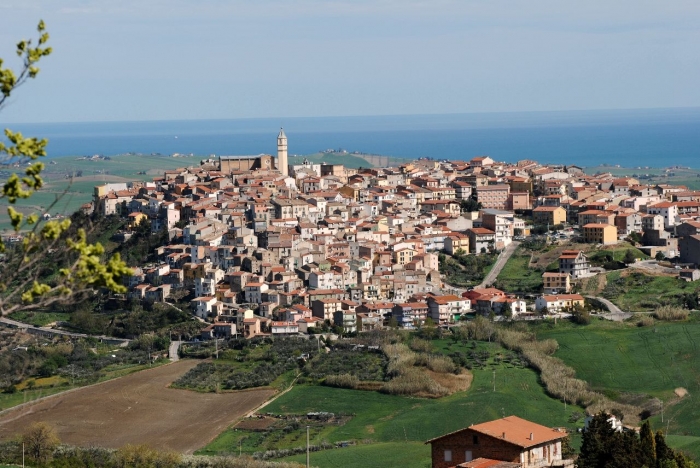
209, 59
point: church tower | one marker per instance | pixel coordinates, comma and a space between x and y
282, 165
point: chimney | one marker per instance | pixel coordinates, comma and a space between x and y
532, 436
504, 435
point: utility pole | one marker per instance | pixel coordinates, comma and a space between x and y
22, 454
307, 446
494, 380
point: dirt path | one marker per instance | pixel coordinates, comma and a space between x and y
137, 409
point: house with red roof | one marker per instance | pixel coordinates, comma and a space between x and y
510, 442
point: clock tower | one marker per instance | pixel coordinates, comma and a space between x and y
282, 165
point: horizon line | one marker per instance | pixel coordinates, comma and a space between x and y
429, 114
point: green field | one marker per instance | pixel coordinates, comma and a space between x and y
403, 454
517, 276
378, 420
622, 359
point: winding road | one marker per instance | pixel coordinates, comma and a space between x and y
616, 314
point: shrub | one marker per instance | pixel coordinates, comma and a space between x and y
342, 381
646, 321
421, 346
441, 364
413, 381
671, 313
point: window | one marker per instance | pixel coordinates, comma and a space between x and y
475, 440
468, 455
448, 455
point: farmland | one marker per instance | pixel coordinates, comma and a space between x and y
76, 191
391, 425
623, 360
137, 409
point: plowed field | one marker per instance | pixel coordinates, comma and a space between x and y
137, 409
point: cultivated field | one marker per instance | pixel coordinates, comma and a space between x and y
137, 409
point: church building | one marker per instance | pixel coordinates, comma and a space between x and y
229, 164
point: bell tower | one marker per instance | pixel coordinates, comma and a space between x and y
282, 165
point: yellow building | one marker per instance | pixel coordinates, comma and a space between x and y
605, 234
135, 219
549, 215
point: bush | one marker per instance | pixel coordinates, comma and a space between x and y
671, 314
413, 381
342, 381
646, 321
441, 364
421, 346
364, 365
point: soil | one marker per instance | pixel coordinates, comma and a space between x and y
137, 409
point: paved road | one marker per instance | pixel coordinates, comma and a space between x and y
500, 263
172, 351
616, 314
51, 331
652, 265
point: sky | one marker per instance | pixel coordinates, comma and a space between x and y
221, 59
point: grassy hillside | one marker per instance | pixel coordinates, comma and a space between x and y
384, 424
622, 360
638, 291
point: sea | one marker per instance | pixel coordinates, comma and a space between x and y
628, 138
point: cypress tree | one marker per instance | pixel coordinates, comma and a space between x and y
663, 452
648, 445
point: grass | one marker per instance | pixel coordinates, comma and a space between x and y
40, 319
618, 252
517, 276
392, 422
404, 454
8, 400
622, 358
637, 291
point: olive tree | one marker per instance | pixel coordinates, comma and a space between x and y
22, 284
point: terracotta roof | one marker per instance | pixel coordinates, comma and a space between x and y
514, 430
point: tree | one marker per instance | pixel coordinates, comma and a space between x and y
23, 283
648, 444
629, 257
469, 204
596, 447
39, 441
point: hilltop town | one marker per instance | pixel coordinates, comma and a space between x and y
264, 247
308, 280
